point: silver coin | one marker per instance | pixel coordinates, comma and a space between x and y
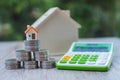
46, 63
30, 66
31, 42
12, 62
32, 45
42, 52
30, 62
23, 58
32, 48
11, 67
20, 51
41, 55
23, 55
41, 59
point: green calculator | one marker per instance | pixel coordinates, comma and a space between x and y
87, 56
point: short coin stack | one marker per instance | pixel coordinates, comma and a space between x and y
31, 58
22, 55
46, 64
42, 55
12, 64
30, 64
32, 45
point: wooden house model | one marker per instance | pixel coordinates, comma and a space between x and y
56, 30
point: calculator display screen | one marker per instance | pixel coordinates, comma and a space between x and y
90, 48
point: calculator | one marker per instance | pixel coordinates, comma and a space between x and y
87, 56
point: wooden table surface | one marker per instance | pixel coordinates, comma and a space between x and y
7, 50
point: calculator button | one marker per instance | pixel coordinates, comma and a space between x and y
81, 62
72, 62
63, 61
101, 62
66, 58
92, 60
83, 59
74, 59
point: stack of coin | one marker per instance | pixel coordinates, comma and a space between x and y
42, 55
46, 64
22, 55
32, 45
30, 64
12, 64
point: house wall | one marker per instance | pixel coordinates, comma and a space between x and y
57, 34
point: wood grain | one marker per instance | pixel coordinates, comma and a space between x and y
7, 50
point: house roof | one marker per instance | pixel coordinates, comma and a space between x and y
65, 13
29, 28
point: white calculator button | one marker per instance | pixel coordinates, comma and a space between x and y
90, 63
102, 62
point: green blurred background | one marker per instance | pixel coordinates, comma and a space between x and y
99, 18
